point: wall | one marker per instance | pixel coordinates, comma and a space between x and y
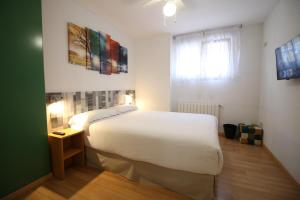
153, 72
60, 76
279, 102
239, 97
23, 144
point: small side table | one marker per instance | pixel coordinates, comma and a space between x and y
66, 150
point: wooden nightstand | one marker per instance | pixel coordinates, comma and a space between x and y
65, 150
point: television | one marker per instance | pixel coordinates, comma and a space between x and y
288, 60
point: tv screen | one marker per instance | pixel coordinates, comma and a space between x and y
288, 59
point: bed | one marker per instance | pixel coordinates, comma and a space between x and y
179, 151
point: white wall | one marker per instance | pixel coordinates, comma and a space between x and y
60, 76
153, 72
280, 100
238, 97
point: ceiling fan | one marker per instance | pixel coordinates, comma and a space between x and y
170, 6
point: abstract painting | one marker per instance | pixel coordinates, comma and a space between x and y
93, 50
77, 44
123, 60
114, 49
96, 51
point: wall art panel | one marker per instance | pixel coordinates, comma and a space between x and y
115, 47
77, 44
93, 50
123, 60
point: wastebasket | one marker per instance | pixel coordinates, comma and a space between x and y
230, 130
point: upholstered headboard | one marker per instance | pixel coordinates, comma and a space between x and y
61, 106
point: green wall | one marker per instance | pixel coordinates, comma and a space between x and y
24, 155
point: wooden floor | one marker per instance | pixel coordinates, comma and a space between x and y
249, 173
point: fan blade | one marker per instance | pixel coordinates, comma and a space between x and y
179, 4
152, 2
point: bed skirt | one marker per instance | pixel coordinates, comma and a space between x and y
195, 186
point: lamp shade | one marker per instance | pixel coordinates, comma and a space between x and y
128, 99
56, 107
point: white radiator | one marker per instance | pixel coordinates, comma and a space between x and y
198, 107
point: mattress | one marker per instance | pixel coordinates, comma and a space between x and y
180, 141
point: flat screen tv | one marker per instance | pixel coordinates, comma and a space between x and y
288, 60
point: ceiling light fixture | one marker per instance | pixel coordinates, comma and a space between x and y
169, 8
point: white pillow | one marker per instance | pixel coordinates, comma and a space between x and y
83, 120
101, 114
124, 108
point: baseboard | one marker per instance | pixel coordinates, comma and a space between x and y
282, 166
27, 188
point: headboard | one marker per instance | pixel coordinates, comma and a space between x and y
61, 106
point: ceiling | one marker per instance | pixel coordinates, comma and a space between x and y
137, 20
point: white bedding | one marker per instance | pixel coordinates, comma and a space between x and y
180, 141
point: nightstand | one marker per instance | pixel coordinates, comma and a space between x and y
66, 150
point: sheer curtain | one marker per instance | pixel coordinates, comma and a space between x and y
210, 55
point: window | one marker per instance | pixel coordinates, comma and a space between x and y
215, 59
206, 56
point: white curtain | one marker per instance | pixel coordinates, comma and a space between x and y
210, 55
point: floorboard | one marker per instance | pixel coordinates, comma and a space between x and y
249, 172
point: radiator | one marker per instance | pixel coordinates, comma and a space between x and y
198, 107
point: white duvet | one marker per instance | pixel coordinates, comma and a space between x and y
180, 141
